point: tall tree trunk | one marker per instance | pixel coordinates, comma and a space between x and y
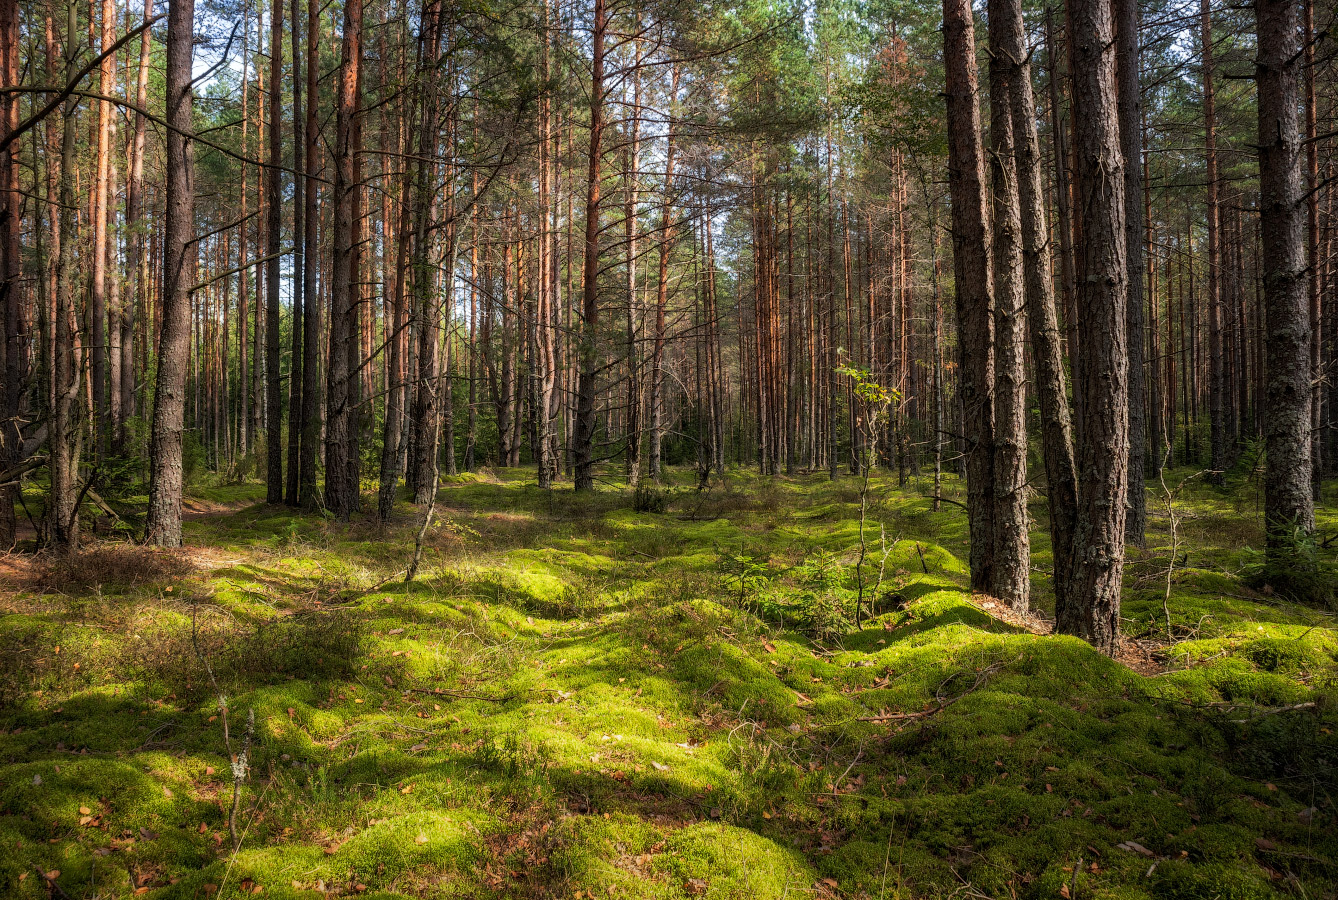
425, 419
1068, 279
64, 437
13, 338
662, 295
1130, 107
1318, 407
296, 377
1012, 558
312, 324
1047, 348
1289, 512
1216, 348
244, 276
1156, 388
1092, 610
584, 449
631, 180
341, 482
545, 307
971, 271
97, 294
296, 380
165, 466
274, 227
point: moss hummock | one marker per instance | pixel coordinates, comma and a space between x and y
579, 700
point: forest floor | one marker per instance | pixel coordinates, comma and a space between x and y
577, 699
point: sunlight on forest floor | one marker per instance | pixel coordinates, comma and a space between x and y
580, 700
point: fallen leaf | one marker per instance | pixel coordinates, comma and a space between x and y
660, 767
421, 839
1265, 844
84, 810
1064, 891
209, 770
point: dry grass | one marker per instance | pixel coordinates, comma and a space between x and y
112, 566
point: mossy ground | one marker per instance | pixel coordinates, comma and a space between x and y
579, 700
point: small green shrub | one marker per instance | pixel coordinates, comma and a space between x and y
648, 498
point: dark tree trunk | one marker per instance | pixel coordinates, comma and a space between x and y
1047, 348
662, 302
312, 325
1319, 408
588, 362
424, 421
1288, 505
971, 269
296, 378
341, 468
1012, 557
165, 458
274, 227
1130, 108
1092, 610
13, 339
1216, 348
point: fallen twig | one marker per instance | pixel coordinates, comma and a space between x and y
51, 883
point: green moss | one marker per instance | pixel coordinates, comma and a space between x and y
572, 698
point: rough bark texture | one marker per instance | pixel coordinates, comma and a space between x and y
136, 258
1319, 409
1216, 367
1288, 504
546, 305
971, 269
311, 332
341, 483
165, 462
424, 420
588, 351
13, 344
1012, 556
296, 378
662, 299
1043, 321
1092, 610
97, 294
1131, 146
273, 229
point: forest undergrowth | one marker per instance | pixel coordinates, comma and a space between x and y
579, 699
